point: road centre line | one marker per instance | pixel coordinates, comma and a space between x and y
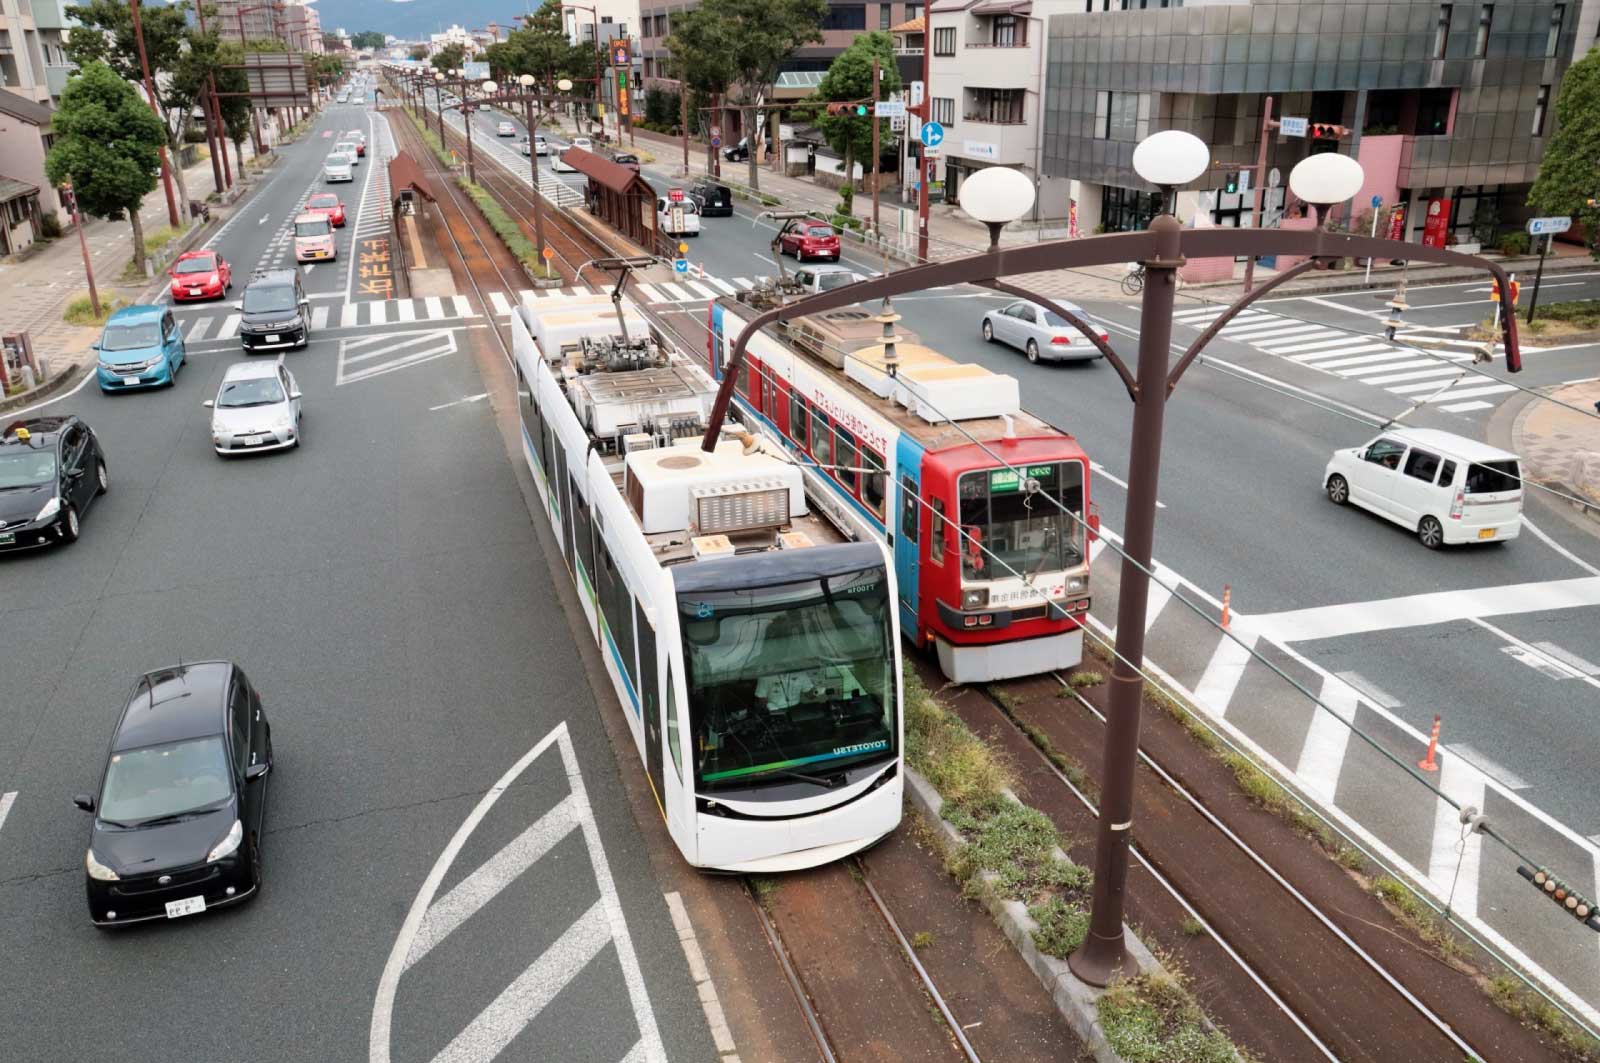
710, 1003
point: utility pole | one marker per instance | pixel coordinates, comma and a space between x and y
926, 115
83, 245
683, 121
213, 133
876, 73
1268, 124
150, 88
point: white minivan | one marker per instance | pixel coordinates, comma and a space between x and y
1446, 488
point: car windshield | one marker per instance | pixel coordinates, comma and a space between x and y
26, 467
312, 228
338, 160
258, 391
165, 780
1010, 531
582, 142
1055, 320
131, 337
196, 265
267, 300
323, 202
829, 281
796, 677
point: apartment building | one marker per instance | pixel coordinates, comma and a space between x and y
26, 195
301, 28
986, 86
1448, 106
33, 61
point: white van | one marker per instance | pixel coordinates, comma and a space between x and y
1446, 488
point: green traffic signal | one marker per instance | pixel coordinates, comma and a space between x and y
1233, 184
861, 110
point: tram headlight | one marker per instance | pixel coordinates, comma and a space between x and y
1076, 584
974, 598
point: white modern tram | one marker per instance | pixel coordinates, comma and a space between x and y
756, 653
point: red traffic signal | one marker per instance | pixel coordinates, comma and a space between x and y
841, 108
1324, 131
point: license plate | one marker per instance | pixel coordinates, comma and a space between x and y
130, 380
251, 441
7, 538
194, 291
1486, 533
272, 338
187, 906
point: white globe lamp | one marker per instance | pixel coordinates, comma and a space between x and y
995, 196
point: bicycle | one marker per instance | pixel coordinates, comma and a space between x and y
1133, 279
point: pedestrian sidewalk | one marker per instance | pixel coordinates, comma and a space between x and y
1560, 446
34, 292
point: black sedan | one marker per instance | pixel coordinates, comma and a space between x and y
51, 471
178, 818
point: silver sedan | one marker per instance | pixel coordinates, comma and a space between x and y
1041, 334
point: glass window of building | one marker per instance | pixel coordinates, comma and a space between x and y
1541, 104
1128, 210
1480, 47
944, 110
1558, 15
883, 16
944, 40
1003, 33
1441, 32
845, 17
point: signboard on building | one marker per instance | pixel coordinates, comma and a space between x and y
891, 109
1292, 127
1548, 226
977, 149
897, 125
1436, 230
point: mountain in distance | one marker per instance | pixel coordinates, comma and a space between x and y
414, 20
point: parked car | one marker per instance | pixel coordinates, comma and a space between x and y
182, 800
805, 239
714, 200
199, 275
741, 151
51, 471
1443, 487
338, 167
348, 147
628, 159
313, 238
140, 347
1039, 333
505, 129
275, 311
329, 206
816, 279
677, 217
257, 408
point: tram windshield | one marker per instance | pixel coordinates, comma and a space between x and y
1010, 531
792, 681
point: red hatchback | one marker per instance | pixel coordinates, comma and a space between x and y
328, 205
809, 239
200, 275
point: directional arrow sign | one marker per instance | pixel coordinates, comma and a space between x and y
932, 134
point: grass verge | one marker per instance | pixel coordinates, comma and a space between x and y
1153, 1019
80, 312
1532, 1010
155, 241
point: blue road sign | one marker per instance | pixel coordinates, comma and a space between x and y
932, 134
1377, 201
716, 142
680, 265
1548, 226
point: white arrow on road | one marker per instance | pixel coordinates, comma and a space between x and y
263, 220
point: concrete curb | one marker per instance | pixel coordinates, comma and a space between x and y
1379, 282
43, 392
1076, 1001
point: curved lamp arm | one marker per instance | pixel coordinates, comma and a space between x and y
1076, 322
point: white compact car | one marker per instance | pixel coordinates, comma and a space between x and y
349, 149
505, 129
338, 167
560, 165
680, 218
1444, 487
256, 409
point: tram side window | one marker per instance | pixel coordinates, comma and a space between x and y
648, 693
910, 509
872, 483
821, 439
531, 421
616, 604
845, 454
797, 419
583, 530
673, 743
936, 533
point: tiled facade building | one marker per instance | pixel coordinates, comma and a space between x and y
1443, 101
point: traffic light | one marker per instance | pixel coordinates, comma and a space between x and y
1572, 902
861, 110
838, 108
1231, 182
1324, 131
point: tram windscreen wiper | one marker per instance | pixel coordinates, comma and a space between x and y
824, 781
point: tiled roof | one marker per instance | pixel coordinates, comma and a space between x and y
11, 188
24, 109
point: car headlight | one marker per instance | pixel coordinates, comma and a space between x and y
51, 508
97, 870
974, 598
227, 846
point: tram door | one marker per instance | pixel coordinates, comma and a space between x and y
905, 529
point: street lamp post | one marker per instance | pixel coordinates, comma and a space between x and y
1168, 160
438, 103
467, 106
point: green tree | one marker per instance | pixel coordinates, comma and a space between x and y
1569, 173
452, 56
368, 40
105, 35
701, 54
418, 52
332, 42
540, 47
107, 144
849, 77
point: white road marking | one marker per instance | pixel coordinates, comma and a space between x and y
701, 289
463, 306
1404, 363
1535, 657
379, 314
1370, 691
1160, 595
197, 331
710, 1003
1342, 358
6, 801
1571, 660
722, 285
1459, 392
1424, 388
502, 305
1222, 674
1420, 610
1413, 374
1463, 407
348, 315
1454, 862
420, 346
1100, 471
405, 310
461, 402
673, 291
1322, 755
319, 317
1347, 309
435, 306
310, 266
1501, 774
230, 327
648, 293
264, 218
1320, 346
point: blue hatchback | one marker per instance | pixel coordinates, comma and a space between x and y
141, 347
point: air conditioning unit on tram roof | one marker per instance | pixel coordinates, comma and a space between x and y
674, 489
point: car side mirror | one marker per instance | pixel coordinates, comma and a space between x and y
295, 395
208, 404
304, 303
95, 346
256, 771
84, 801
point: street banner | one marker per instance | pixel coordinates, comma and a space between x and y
1436, 230
1397, 222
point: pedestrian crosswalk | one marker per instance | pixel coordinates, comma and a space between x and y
222, 325
1440, 378
703, 290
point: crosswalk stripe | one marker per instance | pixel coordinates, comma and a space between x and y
1414, 374
197, 331
1463, 407
230, 326
649, 293
502, 306
463, 307
435, 306
1266, 327
347, 315
1473, 392
1423, 388
1415, 363
379, 314
1206, 313
701, 288
743, 282
406, 310
319, 317
724, 286
1340, 360
675, 293
1293, 351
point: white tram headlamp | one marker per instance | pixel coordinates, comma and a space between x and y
1077, 583
974, 598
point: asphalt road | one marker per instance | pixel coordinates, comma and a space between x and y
384, 589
